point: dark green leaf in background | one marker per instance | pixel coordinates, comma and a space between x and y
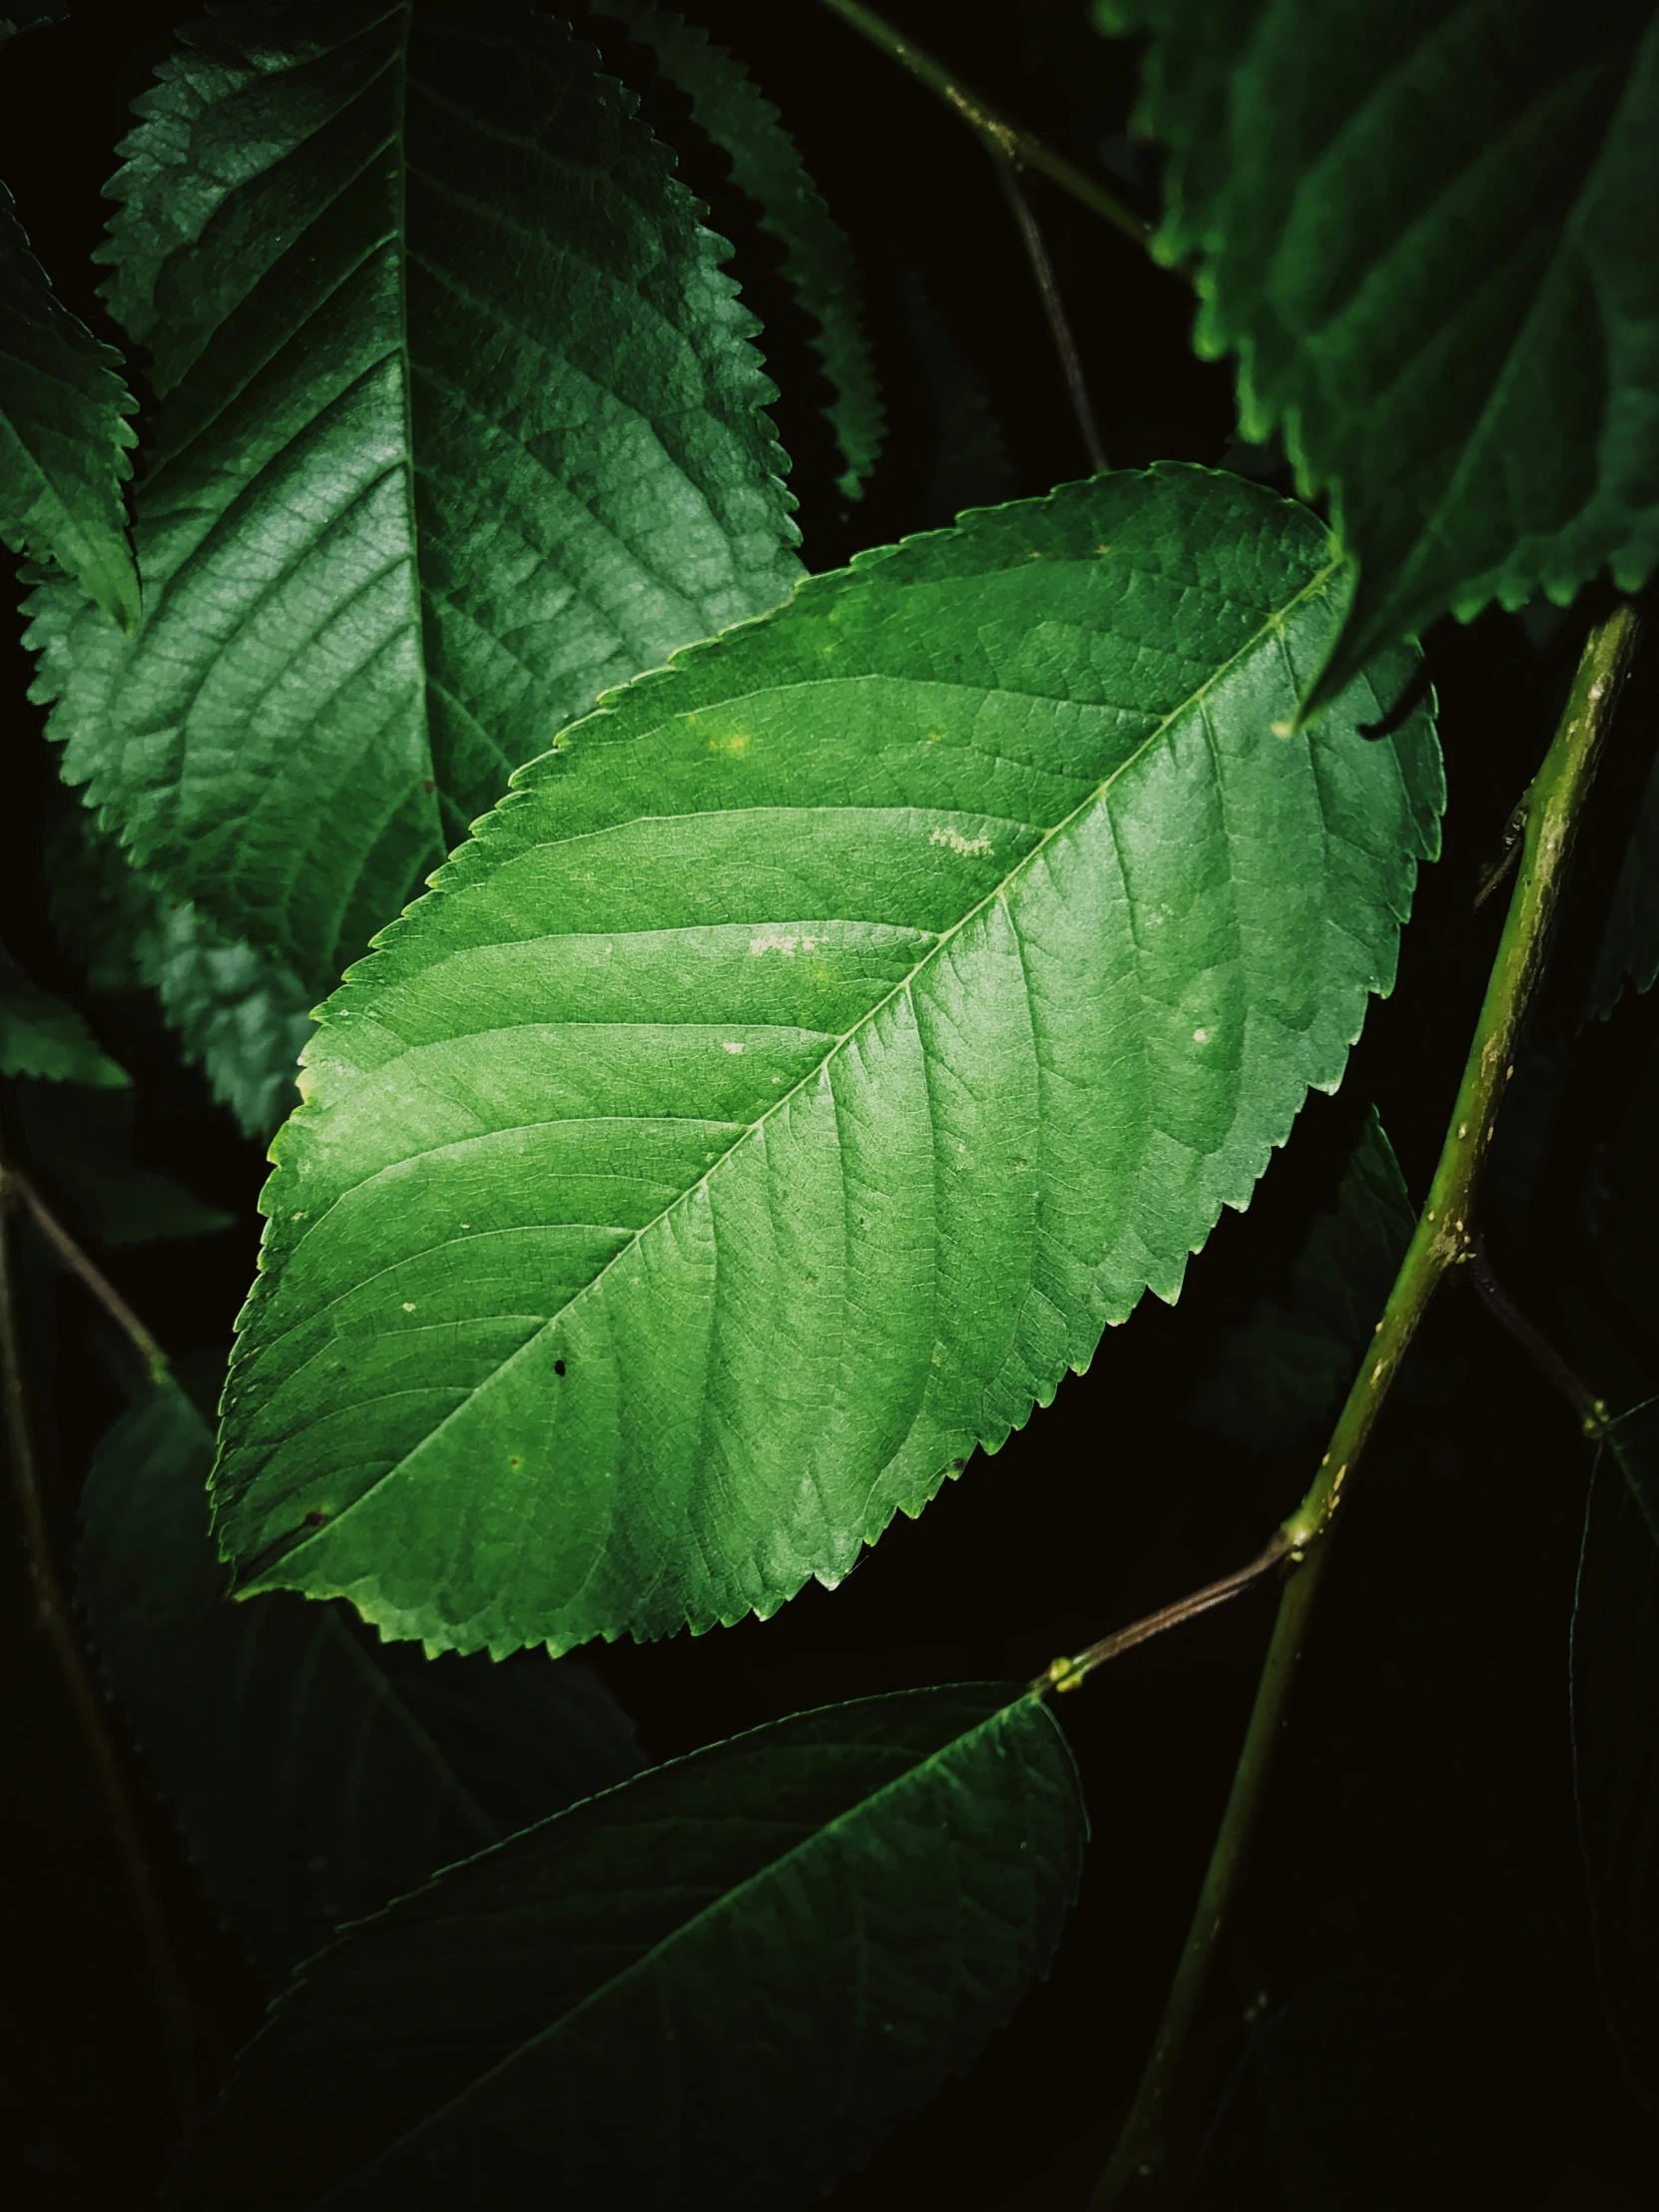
315, 1772
65, 441
1630, 944
1284, 1369
804, 1063
63, 436
1615, 1726
1425, 228
721, 1984
239, 1015
817, 260
78, 1142
460, 423
41, 1036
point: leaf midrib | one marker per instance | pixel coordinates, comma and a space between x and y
727, 1901
1273, 626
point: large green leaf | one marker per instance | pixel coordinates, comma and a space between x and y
718, 1984
817, 260
1424, 227
41, 1036
315, 1772
1285, 1368
460, 425
1615, 1726
806, 1060
239, 1015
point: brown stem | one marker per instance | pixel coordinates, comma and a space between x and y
58, 1236
56, 1624
1042, 269
1001, 135
1591, 1411
1066, 1674
1442, 1240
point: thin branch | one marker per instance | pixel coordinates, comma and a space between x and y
1002, 136
56, 1624
1442, 1240
1042, 269
1066, 1674
1591, 1411
58, 1236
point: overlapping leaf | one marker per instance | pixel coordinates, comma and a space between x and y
315, 1772
41, 1036
806, 1060
460, 423
1616, 1719
766, 165
1286, 1367
722, 1983
239, 1015
1424, 227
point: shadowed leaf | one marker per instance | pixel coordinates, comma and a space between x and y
1425, 227
41, 1036
459, 423
722, 1983
315, 1772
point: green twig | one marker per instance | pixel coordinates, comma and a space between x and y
1442, 1239
1067, 1674
56, 1624
1021, 147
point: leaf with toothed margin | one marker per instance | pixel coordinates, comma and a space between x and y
1425, 230
722, 1983
41, 1036
817, 260
806, 1060
459, 423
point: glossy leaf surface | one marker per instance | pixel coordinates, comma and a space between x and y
41, 1036
1282, 1372
1615, 1722
722, 1983
817, 260
315, 1772
804, 1063
1425, 227
459, 423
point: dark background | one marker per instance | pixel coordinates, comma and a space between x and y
1407, 1999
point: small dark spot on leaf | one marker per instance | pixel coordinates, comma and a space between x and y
958, 1464
558, 1366
315, 1517
427, 784
512, 1463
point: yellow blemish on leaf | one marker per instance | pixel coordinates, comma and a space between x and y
734, 741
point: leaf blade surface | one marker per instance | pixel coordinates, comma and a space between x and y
1422, 231
721, 1982
459, 423
314, 1771
805, 1062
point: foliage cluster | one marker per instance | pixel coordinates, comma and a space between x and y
738, 1010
